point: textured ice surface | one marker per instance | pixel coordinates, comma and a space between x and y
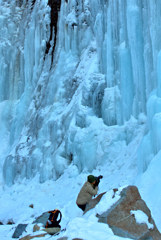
85, 106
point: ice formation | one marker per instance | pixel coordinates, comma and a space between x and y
77, 79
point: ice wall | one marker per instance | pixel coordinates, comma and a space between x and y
77, 80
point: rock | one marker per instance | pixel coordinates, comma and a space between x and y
52, 231
10, 222
19, 230
114, 192
36, 228
93, 202
123, 223
42, 218
28, 237
63, 238
1, 223
31, 206
77, 239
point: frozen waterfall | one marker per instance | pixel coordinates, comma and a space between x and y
79, 81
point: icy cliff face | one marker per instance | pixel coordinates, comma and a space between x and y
77, 79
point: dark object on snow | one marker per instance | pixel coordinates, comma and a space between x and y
123, 222
19, 230
53, 219
42, 219
10, 222
1, 223
63, 238
114, 192
31, 205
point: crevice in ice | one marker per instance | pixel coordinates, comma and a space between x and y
32, 3
55, 8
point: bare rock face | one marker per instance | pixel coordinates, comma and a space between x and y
123, 223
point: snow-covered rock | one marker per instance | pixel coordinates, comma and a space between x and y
130, 216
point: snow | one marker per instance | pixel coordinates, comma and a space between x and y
148, 183
60, 194
141, 217
95, 109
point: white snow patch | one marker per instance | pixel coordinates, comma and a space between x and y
141, 217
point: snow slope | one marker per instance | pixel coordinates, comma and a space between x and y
62, 194
87, 101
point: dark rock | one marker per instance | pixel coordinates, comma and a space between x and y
1, 223
42, 218
63, 238
123, 223
114, 192
31, 206
10, 222
77, 239
19, 230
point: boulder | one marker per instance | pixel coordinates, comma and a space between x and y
123, 222
42, 218
19, 230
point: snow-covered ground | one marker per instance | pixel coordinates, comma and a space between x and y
62, 194
98, 107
